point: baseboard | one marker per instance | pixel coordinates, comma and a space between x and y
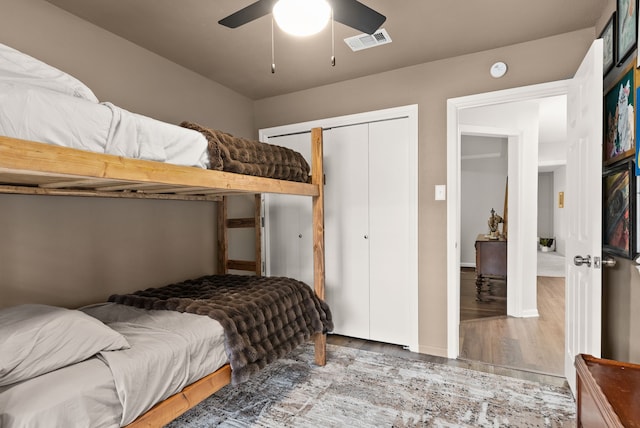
467, 265
433, 350
530, 313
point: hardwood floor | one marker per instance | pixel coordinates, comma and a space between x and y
492, 303
399, 351
532, 344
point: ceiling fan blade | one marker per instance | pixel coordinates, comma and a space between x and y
356, 15
253, 11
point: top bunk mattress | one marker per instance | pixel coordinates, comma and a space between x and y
43, 104
38, 114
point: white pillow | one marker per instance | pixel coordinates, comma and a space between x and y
17, 67
37, 339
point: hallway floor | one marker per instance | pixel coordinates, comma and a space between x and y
533, 344
492, 304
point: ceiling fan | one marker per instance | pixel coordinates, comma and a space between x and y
348, 12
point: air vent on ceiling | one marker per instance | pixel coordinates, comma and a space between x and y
365, 41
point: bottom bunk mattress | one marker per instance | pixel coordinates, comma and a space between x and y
263, 317
166, 352
80, 395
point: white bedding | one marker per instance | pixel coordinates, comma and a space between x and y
169, 350
39, 114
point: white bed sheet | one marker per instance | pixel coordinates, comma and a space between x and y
39, 114
169, 350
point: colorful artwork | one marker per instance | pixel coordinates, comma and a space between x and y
619, 120
627, 27
637, 168
608, 40
618, 190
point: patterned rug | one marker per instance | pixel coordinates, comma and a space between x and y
366, 389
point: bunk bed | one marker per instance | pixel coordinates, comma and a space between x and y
37, 168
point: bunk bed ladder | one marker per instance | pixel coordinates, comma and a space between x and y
224, 224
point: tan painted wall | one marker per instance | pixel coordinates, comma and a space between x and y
72, 251
75, 251
430, 85
621, 317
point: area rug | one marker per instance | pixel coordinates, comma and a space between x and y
366, 389
551, 264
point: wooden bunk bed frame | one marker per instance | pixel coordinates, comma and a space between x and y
34, 168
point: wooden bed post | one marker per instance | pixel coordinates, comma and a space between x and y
223, 238
317, 178
257, 226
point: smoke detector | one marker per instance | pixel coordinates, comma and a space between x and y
366, 41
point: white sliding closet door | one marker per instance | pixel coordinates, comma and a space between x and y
289, 248
370, 223
347, 228
390, 235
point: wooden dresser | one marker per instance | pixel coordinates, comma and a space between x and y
491, 261
608, 393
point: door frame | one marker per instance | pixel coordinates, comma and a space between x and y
411, 113
454, 132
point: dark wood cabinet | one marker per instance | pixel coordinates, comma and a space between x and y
608, 393
491, 261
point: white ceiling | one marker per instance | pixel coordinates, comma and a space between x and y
187, 32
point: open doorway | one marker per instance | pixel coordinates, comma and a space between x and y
487, 334
535, 308
483, 198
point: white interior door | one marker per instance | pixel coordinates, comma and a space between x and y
390, 231
346, 209
584, 211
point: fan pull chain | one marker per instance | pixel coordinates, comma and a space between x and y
333, 42
273, 51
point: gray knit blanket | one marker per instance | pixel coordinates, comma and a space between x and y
264, 318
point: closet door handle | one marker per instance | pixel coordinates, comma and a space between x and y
366, 236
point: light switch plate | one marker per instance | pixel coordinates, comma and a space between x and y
441, 192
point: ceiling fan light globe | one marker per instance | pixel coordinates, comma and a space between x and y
302, 17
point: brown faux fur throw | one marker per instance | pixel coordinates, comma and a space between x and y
242, 156
263, 317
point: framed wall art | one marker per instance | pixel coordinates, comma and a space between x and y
618, 210
627, 28
637, 155
619, 119
608, 37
